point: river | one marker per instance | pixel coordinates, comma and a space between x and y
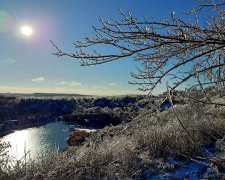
37, 140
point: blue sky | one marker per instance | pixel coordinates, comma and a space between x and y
27, 64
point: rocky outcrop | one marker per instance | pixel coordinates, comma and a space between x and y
77, 138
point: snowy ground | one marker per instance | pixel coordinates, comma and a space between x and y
182, 170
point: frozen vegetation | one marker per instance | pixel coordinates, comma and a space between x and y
137, 146
19, 112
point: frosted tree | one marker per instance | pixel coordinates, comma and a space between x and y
179, 49
163, 46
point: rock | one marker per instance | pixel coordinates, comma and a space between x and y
77, 138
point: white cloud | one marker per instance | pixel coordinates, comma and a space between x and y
73, 83
9, 60
112, 84
99, 87
40, 79
62, 83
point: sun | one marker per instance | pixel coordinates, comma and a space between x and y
26, 30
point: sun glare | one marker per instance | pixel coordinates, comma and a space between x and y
26, 30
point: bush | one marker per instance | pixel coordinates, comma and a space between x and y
128, 150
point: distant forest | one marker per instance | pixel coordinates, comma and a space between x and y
19, 112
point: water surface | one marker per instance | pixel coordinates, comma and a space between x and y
38, 140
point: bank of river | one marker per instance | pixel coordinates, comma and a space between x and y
38, 140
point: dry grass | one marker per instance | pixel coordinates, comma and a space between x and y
125, 153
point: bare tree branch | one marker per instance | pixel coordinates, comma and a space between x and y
170, 47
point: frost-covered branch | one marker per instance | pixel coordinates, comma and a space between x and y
169, 47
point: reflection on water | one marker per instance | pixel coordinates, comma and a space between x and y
38, 140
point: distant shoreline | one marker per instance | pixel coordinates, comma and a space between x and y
43, 95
